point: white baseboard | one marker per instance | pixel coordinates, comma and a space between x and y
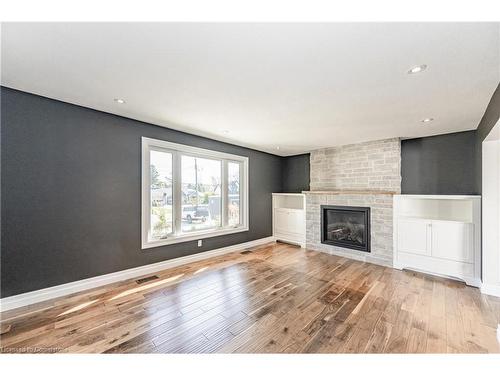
492, 290
470, 281
40, 295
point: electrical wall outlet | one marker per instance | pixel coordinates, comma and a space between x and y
200, 243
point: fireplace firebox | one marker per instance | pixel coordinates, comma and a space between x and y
346, 226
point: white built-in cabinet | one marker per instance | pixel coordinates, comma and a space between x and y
289, 218
439, 234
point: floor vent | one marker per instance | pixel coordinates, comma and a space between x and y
246, 252
146, 279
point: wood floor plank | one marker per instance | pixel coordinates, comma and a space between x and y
277, 298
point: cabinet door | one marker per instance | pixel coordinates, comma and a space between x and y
281, 221
452, 240
296, 222
413, 236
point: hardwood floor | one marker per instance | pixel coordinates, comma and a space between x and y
275, 299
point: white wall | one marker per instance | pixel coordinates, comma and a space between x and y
491, 213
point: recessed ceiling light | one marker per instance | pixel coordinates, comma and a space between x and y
120, 101
277, 147
225, 131
417, 69
428, 119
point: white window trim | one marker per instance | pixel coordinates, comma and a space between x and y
147, 143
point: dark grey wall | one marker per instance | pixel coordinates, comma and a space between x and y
490, 118
491, 115
295, 173
443, 164
71, 193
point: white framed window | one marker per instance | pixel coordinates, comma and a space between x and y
190, 193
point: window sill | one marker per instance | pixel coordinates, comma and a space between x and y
192, 237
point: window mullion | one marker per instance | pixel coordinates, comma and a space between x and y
224, 194
177, 193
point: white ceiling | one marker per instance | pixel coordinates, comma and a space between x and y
296, 86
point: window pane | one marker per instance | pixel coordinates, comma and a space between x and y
233, 187
161, 194
201, 193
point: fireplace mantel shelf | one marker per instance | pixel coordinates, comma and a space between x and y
361, 192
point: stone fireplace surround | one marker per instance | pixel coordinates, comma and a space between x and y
365, 175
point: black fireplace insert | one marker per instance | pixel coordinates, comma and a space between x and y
346, 226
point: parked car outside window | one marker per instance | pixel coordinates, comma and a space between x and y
193, 213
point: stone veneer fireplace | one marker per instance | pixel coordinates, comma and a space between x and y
361, 176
